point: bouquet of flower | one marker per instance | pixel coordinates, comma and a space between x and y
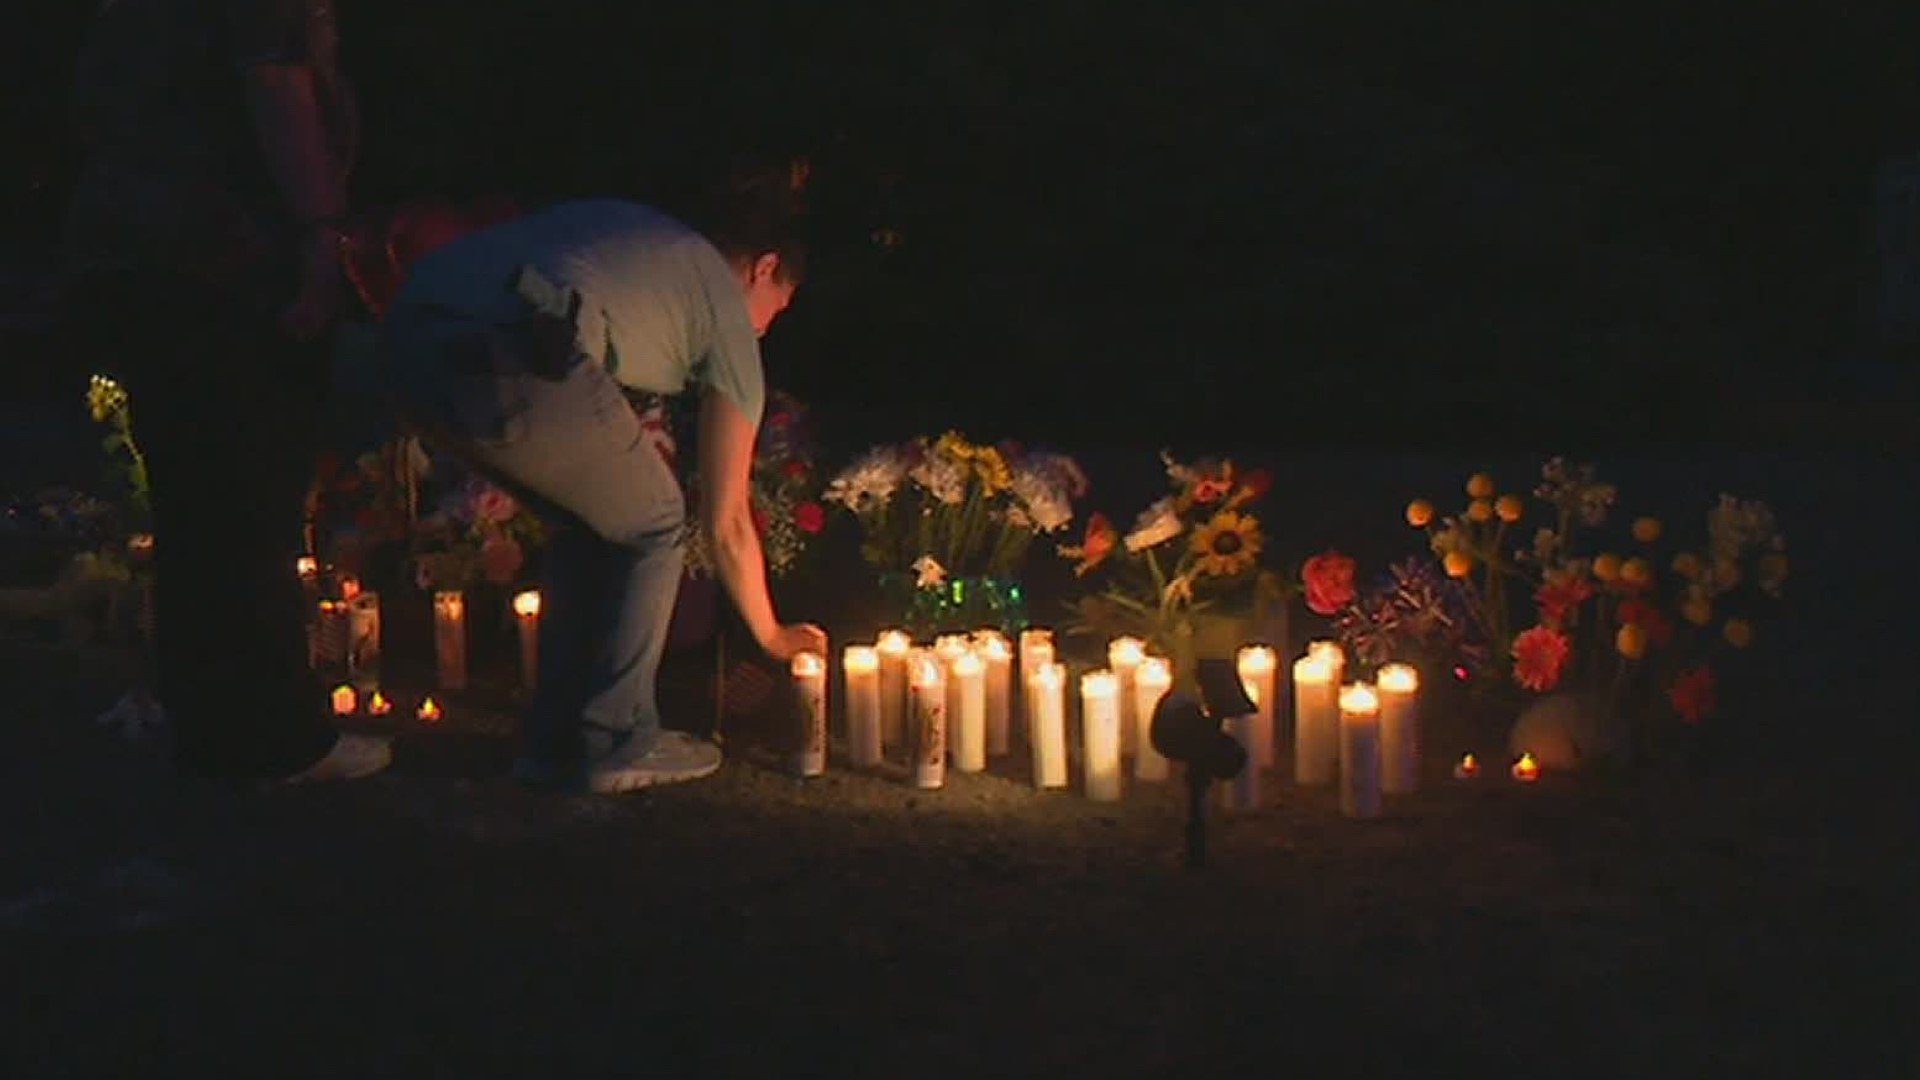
358, 505
948, 507
1413, 612
784, 492
476, 532
108, 403
1603, 621
1194, 550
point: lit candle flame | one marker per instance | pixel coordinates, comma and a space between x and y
1099, 684
1256, 660
1358, 699
968, 664
429, 710
1468, 767
994, 648
1050, 676
861, 659
1312, 669
1329, 652
1526, 769
527, 604
345, 701
893, 642
1155, 672
306, 566
926, 671
1123, 651
1399, 679
378, 705
807, 665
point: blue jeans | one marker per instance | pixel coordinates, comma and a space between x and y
571, 447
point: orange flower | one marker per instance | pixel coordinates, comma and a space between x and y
1539, 656
1100, 541
1419, 513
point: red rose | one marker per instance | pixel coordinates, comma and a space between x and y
809, 517
1329, 582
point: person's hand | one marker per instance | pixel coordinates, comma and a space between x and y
317, 303
795, 638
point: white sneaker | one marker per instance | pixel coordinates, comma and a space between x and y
675, 756
352, 757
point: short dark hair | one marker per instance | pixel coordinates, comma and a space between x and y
759, 210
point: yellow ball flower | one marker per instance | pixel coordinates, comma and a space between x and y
1636, 571
1509, 508
1697, 610
1419, 513
1458, 564
1480, 486
1687, 565
1631, 641
1606, 567
1738, 632
1479, 510
1646, 529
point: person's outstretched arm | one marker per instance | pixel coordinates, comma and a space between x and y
726, 464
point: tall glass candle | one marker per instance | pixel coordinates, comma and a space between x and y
1316, 720
893, 646
1258, 667
862, 666
526, 617
1399, 687
1124, 656
928, 691
997, 655
1359, 751
1100, 734
1150, 683
1048, 731
810, 704
967, 712
450, 638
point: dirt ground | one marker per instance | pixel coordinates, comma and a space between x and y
434, 921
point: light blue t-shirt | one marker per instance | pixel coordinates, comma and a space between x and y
656, 303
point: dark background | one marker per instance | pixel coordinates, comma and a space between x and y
1112, 224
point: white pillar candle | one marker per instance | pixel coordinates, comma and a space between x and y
1243, 791
967, 712
946, 649
1399, 686
810, 706
1124, 656
526, 615
1258, 667
893, 646
450, 638
997, 655
1036, 652
1100, 734
1048, 731
1150, 683
1359, 751
1316, 720
327, 648
928, 690
363, 639
862, 666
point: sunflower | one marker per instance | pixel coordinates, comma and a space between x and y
1228, 544
992, 469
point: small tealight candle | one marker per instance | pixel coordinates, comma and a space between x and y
428, 711
1100, 734
1257, 665
862, 667
378, 705
893, 646
1124, 657
967, 711
929, 691
1150, 684
997, 655
810, 701
1468, 768
1048, 730
526, 613
1359, 751
1526, 770
1316, 721
1399, 729
345, 700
